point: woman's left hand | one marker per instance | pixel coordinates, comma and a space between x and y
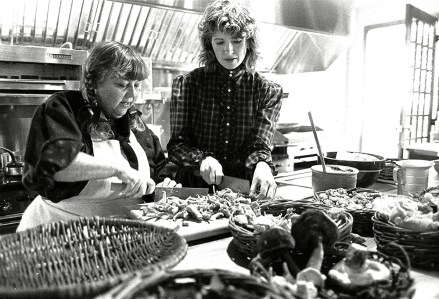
168, 183
263, 184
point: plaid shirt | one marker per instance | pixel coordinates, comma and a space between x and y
227, 114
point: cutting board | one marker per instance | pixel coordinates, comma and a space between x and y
193, 231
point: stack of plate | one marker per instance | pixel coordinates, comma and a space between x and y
386, 174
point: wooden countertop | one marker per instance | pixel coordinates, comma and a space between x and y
220, 252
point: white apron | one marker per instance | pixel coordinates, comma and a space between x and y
96, 199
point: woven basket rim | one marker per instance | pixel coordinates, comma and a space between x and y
99, 235
393, 227
433, 188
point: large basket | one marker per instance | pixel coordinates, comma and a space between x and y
83, 257
421, 247
400, 284
194, 284
362, 217
245, 240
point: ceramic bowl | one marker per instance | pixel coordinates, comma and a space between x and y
368, 170
336, 176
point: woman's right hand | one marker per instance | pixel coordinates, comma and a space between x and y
136, 185
211, 171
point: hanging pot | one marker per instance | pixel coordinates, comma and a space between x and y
13, 168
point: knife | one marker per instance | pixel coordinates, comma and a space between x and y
235, 184
183, 192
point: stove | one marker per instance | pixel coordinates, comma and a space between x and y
28, 76
14, 199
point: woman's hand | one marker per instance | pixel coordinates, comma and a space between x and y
211, 171
168, 183
137, 185
263, 184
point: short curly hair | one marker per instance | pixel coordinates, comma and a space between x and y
231, 17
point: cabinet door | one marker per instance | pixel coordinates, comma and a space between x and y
420, 110
400, 100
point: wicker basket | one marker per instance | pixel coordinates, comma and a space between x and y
245, 240
195, 283
362, 217
81, 258
400, 284
421, 247
433, 190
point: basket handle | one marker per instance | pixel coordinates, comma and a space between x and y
258, 270
404, 253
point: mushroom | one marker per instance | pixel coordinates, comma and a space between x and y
314, 233
275, 246
313, 276
357, 271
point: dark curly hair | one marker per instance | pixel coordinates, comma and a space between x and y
231, 17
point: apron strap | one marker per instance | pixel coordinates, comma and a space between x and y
130, 154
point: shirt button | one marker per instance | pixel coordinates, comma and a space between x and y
227, 124
228, 107
227, 141
229, 90
225, 158
231, 75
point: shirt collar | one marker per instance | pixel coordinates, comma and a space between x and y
222, 71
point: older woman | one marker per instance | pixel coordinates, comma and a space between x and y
223, 115
88, 152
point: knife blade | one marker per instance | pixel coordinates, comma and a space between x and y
183, 192
235, 184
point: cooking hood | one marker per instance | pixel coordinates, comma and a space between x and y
295, 35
